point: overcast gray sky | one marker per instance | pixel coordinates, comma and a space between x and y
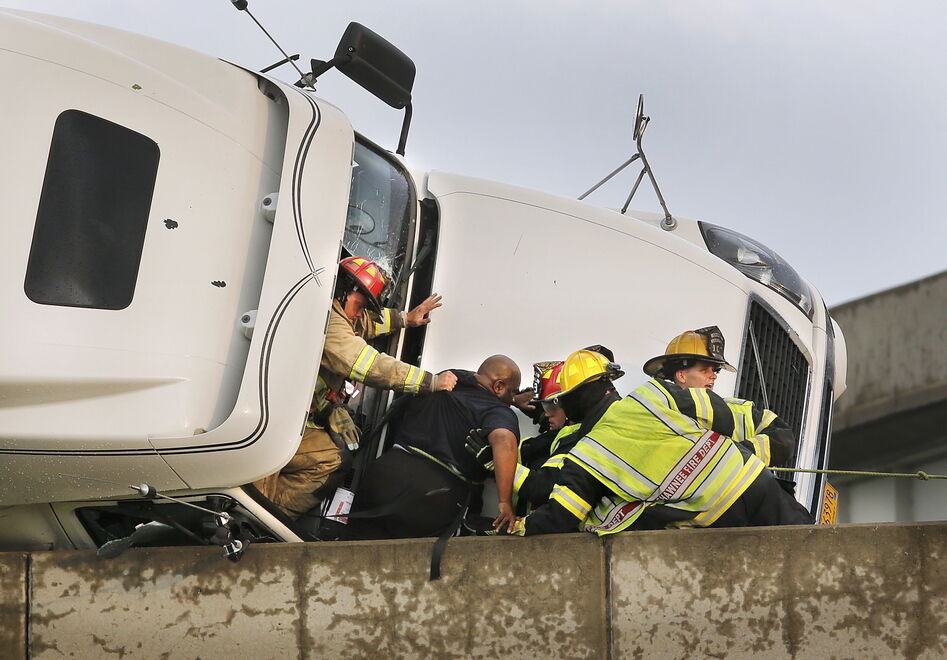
818, 128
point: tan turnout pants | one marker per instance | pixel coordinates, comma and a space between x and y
291, 489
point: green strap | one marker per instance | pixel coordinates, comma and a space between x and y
450, 468
920, 474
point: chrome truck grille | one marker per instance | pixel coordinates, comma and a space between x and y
767, 348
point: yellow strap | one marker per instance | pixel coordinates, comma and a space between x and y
556, 461
320, 393
705, 410
739, 424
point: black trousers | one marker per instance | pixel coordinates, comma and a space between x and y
765, 502
406, 496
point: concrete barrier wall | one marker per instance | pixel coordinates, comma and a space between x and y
853, 591
866, 591
13, 609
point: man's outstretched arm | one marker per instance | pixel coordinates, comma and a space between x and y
503, 444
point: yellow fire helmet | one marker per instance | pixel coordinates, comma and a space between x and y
705, 344
583, 367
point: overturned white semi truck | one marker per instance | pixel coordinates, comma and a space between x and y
172, 224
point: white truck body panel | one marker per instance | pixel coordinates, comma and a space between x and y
539, 276
94, 394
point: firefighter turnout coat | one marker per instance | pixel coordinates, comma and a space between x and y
642, 453
538, 469
757, 429
348, 356
537, 473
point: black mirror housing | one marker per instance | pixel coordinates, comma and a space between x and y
376, 65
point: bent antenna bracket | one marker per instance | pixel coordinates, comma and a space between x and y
641, 123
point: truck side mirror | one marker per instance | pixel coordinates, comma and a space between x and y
376, 65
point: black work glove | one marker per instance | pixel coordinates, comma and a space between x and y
483, 526
479, 447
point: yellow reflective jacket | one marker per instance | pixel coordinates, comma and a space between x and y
758, 430
640, 454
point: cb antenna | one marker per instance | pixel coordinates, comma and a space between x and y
241, 5
641, 123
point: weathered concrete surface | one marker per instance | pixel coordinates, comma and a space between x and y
511, 598
166, 603
858, 591
13, 605
490, 588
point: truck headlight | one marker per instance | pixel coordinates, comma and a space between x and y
759, 263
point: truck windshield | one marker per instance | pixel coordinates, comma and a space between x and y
380, 210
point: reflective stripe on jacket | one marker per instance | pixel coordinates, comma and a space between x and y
348, 356
535, 483
758, 429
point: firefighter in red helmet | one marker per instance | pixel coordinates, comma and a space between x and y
356, 316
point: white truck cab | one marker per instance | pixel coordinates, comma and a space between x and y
172, 225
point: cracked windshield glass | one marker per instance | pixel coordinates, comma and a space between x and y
379, 213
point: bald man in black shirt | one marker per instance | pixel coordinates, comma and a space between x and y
424, 483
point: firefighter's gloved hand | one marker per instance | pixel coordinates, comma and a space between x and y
479, 447
522, 401
479, 526
342, 425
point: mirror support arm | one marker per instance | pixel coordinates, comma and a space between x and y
669, 222
641, 123
319, 67
404, 129
614, 172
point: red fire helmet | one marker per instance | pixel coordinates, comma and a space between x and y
368, 277
546, 379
